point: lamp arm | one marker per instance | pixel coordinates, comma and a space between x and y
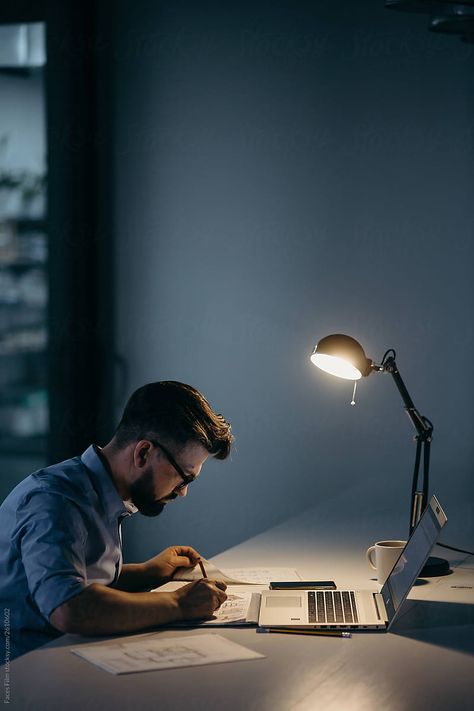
424, 429
421, 424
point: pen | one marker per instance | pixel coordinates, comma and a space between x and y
203, 570
316, 633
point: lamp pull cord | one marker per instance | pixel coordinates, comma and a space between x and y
353, 401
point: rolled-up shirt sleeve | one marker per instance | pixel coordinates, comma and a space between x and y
52, 535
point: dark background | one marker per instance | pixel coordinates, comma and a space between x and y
262, 174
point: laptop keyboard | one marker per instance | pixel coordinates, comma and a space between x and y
328, 606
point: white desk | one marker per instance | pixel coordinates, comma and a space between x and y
427, 661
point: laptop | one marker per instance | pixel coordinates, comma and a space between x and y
357, 609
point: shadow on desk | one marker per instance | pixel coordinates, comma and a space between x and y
445, 624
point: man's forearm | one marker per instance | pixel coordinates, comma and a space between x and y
134, 577
102, 610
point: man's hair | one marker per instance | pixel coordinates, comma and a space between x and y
174, 412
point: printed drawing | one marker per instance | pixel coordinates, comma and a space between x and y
176, 653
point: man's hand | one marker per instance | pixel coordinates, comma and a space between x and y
200, 599
164, 566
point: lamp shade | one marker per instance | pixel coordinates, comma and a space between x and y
342, 356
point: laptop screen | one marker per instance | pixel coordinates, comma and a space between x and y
413, 557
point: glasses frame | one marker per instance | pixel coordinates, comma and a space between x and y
187, 478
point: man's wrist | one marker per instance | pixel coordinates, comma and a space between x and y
175, 608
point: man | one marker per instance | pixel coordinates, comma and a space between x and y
60, 542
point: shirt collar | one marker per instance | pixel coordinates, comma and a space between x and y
103, 483
131, 508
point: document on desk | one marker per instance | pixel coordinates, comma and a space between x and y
155, 652
242, 606
239, 576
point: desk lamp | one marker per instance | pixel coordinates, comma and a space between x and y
344, 357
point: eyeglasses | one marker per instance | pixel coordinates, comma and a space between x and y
187, 478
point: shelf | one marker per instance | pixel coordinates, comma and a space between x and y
38, 308
15, 445
27, 224
25, 340
41, 352
24, 264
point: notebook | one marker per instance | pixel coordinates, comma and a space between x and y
357, 609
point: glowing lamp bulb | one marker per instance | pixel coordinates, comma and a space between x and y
334, 365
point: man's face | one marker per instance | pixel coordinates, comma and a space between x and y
157, 479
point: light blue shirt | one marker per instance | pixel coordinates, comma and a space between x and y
59, 533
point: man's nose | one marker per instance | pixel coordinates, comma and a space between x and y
183, 491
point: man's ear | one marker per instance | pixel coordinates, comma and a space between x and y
141, 453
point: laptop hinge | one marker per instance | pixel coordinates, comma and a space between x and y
380, 607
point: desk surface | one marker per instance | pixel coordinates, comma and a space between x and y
428, 656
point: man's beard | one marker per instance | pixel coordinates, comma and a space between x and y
142, 495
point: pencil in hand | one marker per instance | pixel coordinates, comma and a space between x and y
203, 570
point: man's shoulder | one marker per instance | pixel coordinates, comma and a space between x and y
68, 480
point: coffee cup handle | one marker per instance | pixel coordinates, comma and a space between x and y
369, 553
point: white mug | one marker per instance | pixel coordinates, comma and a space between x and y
385, 554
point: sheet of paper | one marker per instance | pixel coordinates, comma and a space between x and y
455, 588
234, 609
241, 607
239, 576
262, 576
155, 652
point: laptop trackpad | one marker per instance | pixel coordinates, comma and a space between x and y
283, 601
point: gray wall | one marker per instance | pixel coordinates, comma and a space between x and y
287, 170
